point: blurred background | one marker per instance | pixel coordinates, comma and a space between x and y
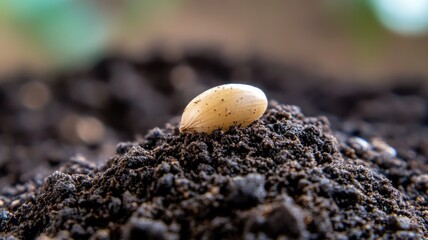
79, 76
367, 40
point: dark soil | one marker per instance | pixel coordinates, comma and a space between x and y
365, 176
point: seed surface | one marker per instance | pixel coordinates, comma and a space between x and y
222, 107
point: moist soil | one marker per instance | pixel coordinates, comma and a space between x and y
330, 159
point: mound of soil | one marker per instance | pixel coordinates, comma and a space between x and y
287, 175
284, 175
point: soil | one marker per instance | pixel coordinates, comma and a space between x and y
77, 158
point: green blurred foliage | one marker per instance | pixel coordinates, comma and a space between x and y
68, 30
71, 31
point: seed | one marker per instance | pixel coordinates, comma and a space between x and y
222, 107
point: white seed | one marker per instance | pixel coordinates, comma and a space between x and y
380, 146
222, 107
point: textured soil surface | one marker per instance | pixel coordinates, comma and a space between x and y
70, 167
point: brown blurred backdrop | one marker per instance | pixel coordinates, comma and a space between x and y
332, 39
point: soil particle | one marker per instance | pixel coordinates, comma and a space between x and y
247, 191
286, 175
